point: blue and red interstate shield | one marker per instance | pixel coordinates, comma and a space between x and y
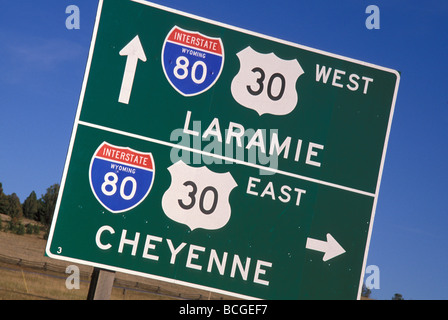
192, 62
120, 177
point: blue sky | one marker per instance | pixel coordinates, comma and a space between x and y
42, 66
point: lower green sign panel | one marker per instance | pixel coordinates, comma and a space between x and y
261, 249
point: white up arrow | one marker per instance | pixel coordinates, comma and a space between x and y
331, 247
134, 51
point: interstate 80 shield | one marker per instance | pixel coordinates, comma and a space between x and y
120, 177
192, 62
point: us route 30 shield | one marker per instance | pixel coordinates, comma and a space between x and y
198, 197
279, 95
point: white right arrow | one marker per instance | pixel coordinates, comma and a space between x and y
134, 51
331, 247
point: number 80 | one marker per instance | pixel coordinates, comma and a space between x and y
111, 179
182, 63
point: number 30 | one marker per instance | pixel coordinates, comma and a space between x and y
260, 82
192, 196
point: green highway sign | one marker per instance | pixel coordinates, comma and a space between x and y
218, 158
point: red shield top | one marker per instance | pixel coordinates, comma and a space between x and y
126, 156
195, 40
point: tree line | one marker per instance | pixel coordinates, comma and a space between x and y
40, 210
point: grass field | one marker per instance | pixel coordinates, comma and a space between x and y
20, 284
23, 281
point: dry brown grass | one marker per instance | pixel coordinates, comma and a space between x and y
18, 282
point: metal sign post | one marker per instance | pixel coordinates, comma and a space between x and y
101, 284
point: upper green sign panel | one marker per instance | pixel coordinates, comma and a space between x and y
222, 159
